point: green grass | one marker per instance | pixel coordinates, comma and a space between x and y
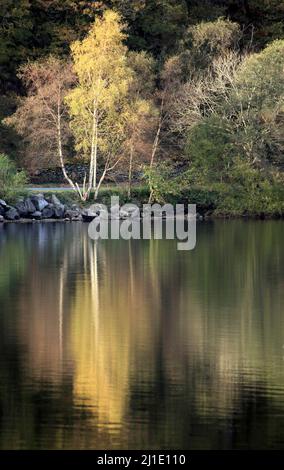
218, 200
139, 195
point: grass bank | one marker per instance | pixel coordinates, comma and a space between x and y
216, 201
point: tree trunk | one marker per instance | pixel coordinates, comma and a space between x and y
150, 196
99, 184
94, 144
74, 186
130, 171
106, 169
154, 151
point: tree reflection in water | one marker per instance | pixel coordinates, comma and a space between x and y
117, 344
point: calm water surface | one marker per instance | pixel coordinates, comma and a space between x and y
132, 344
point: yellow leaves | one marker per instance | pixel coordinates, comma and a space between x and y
102, 51
100, 62
112, 103
100, 59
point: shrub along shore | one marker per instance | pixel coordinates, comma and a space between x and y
214, 203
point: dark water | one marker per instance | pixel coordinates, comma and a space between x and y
135, 345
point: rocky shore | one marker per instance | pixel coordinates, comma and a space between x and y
49, 208
38, 207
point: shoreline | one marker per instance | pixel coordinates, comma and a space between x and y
210, 218
49, 208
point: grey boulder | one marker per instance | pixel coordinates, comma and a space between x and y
130, 211
73, 214
39, 202
59, 211
12, 214
57, 207
37, 215
3, 205
25, 207
89, 214
54, 200
20, 206
48, 212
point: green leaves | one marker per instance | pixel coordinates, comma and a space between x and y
12, 182
161, 181
261, 77
209, 147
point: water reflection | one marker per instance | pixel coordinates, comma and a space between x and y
117, 344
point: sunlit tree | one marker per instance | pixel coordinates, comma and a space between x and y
97, 105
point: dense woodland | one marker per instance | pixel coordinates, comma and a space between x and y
188, 93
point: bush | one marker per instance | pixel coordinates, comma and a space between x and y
161, 181
139, 195
210, 151
12, 182
263, 200
207, 40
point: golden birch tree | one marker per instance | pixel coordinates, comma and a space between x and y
97, 105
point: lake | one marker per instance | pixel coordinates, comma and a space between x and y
134, 345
